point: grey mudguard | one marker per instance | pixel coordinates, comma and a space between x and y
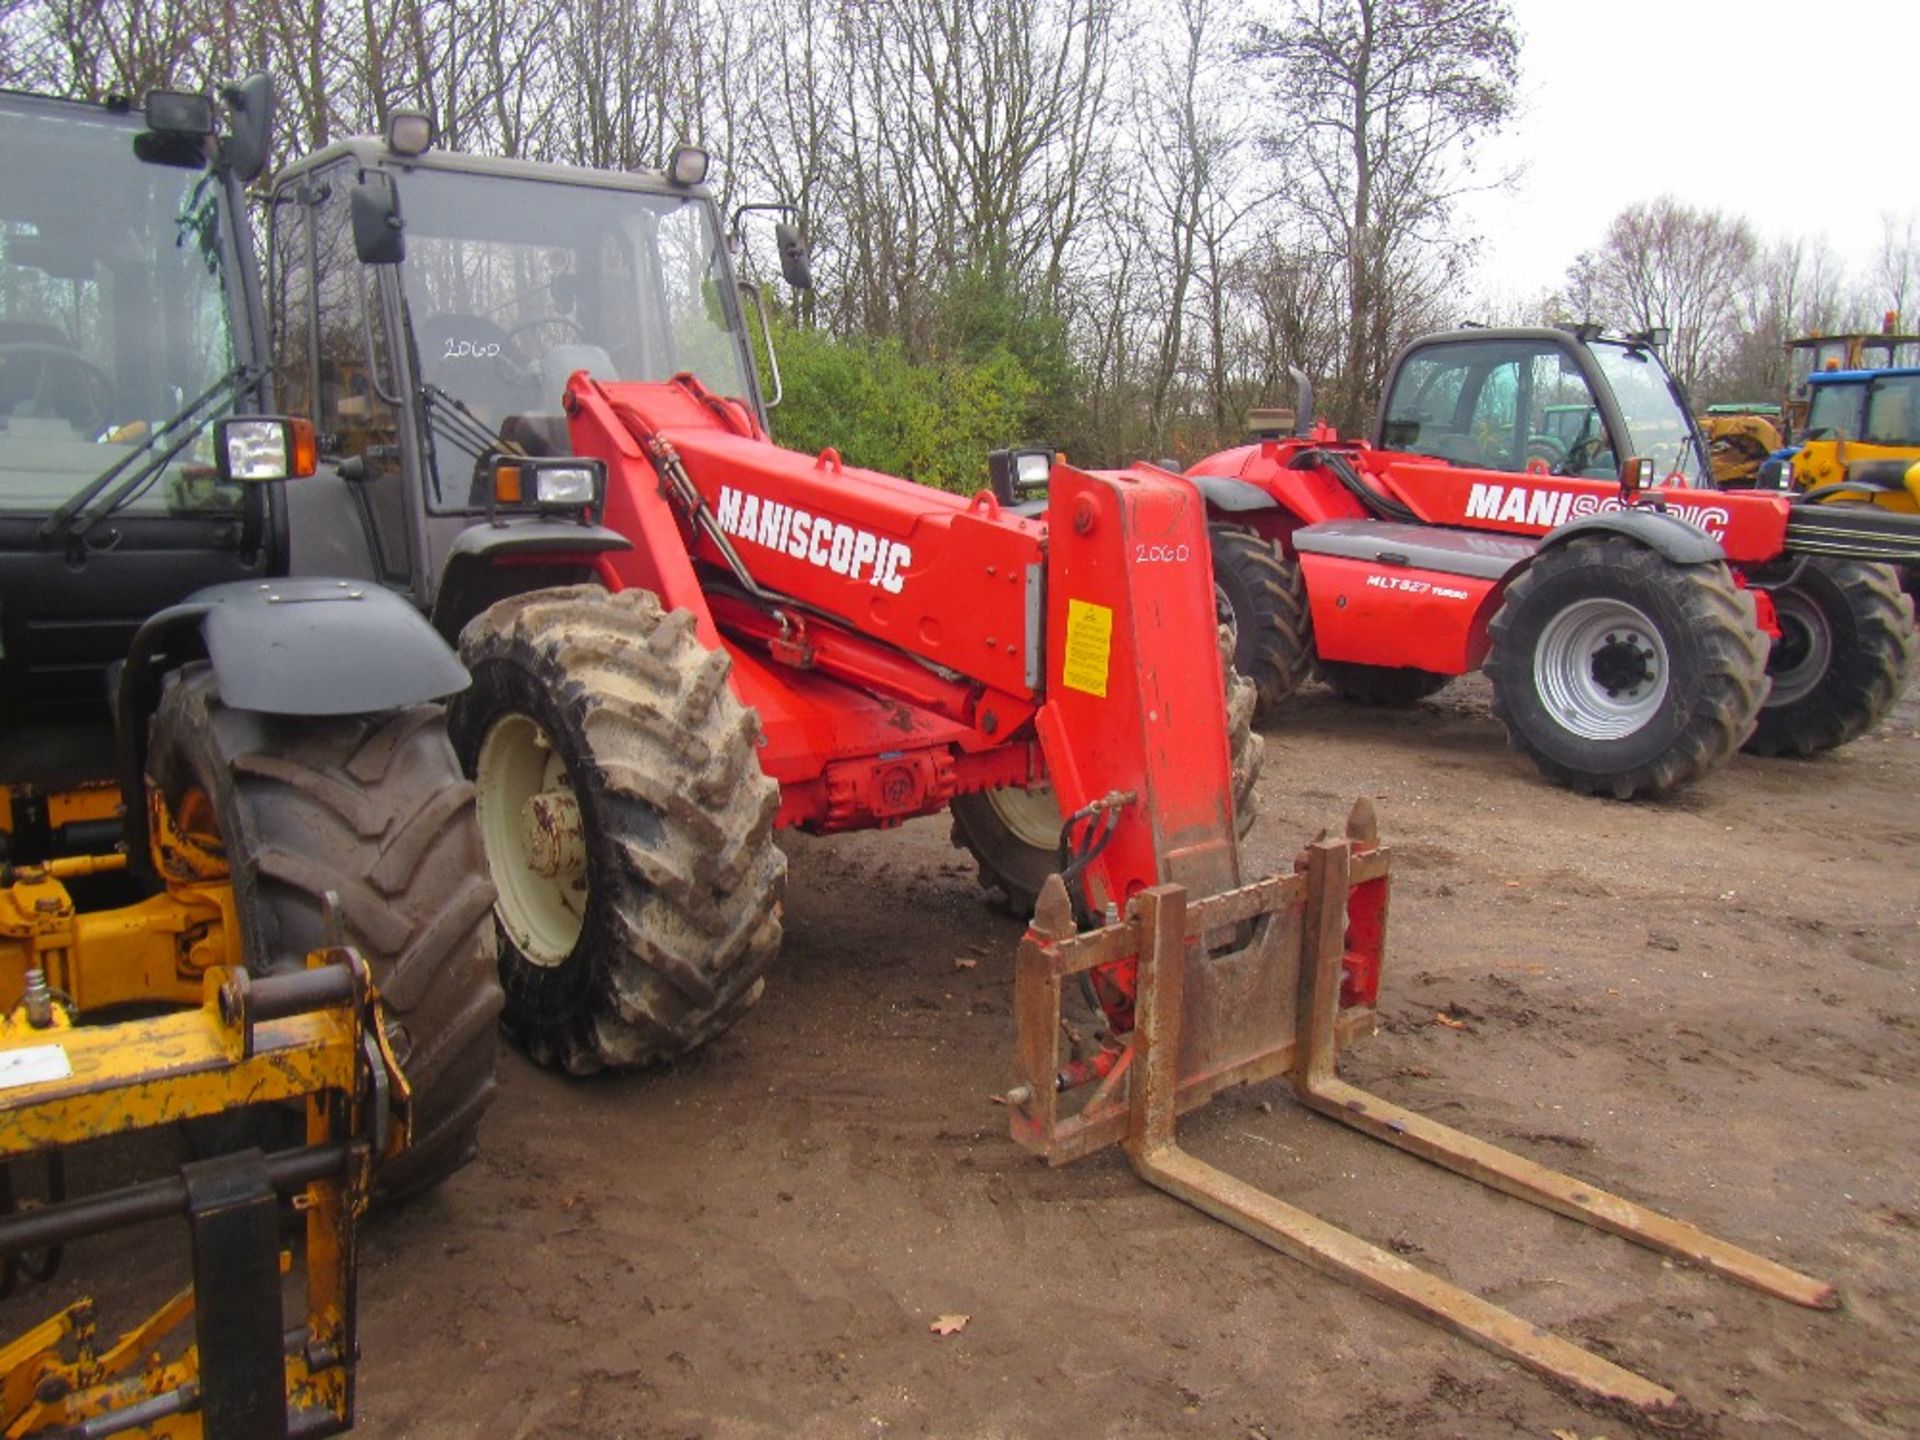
1223, 492
1666, 535
554, 537
1477, 553
322, 647
470, 578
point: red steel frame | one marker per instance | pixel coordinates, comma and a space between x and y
1437, 620
906, 672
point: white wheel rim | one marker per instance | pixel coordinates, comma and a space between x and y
1805, 643
542, 914
1601, 668
1031, 816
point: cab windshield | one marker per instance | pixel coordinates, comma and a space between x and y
513, 284
1658, 427
113, 317
1833, 411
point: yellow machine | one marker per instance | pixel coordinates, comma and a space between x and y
1853, 407
1811, 355
1739, 440
311, 1036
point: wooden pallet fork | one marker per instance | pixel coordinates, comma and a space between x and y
1267, 980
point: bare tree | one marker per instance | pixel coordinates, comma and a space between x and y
1381, 101
1181, 189
1793, 288
1665, 264
1897, 268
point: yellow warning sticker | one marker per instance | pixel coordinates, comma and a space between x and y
1089, 647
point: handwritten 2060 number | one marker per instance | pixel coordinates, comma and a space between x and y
1161, 554
471, 349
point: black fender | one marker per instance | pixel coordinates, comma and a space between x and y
282, 647
1666, 535
1224, 493
470, 580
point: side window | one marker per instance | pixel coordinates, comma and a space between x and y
328, 334
352, 418
1421, 410
339, 397
290, 302
1893, 412
1491, 427
1834, 412
695, 301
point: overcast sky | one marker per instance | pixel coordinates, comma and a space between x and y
1760, 109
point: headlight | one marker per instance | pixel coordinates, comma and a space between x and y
687, 165
1022, 474
1031, 469
563, 485
179, 112
255, 448
526, 482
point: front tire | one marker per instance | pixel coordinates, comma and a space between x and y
627, 824
374, 809
1261, 599
1846, 642
1622, 673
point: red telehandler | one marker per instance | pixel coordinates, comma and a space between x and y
540, 414
1539, 502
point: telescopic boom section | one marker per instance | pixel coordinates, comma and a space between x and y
903, 645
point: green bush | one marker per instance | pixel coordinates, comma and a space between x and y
932, 422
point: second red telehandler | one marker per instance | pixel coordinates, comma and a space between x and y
1539, 503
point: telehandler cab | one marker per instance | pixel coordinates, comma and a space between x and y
212, 777
541, 417
1638, 625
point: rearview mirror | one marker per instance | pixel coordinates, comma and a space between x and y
379, 234
795, 267
250, 104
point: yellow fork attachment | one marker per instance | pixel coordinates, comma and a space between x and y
314, 1036
1212, 1012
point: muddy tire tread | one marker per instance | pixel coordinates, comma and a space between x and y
686, 883
1715, 626
373, 809
1274, 647
1861, 685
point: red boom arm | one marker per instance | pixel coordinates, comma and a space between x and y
903, 645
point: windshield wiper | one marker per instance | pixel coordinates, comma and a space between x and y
449, 414
73, 515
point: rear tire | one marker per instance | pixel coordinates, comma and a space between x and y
373, 808
1013, 834
1261, 598
1846, 642
638, 917
1624, 674
1384, 686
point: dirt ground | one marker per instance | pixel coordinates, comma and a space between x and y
1707, 1005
